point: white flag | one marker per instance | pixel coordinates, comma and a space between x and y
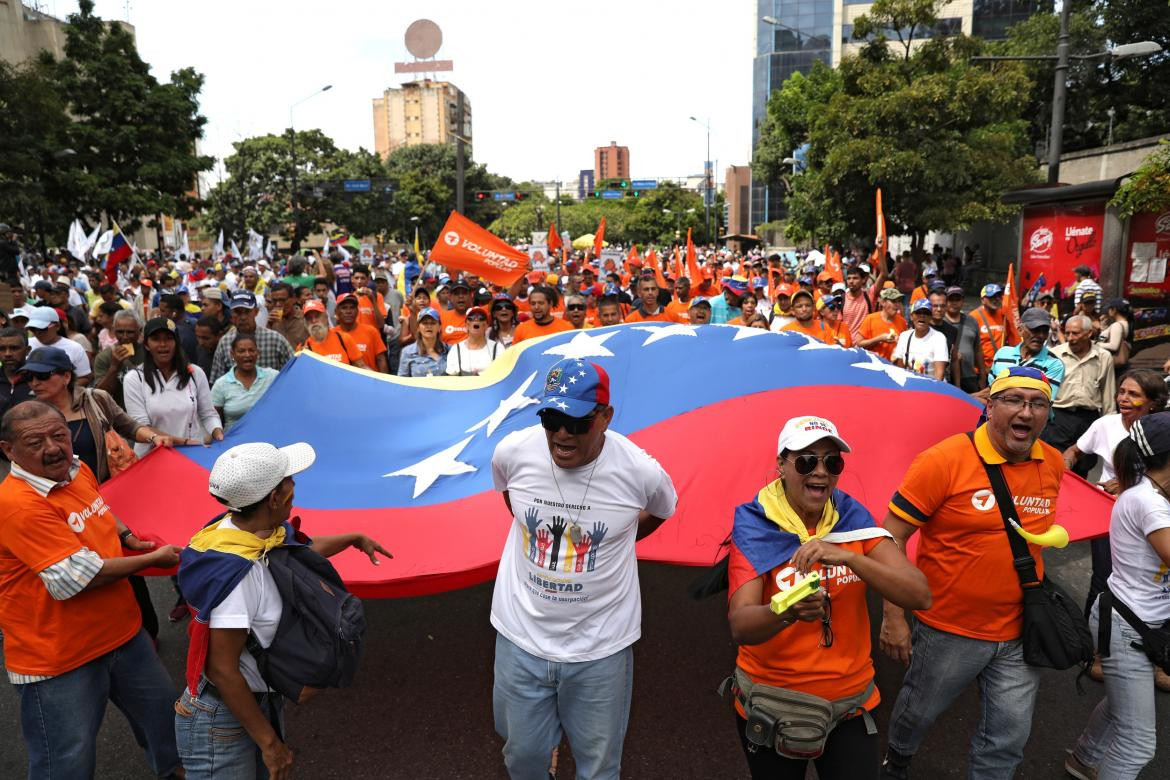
236, 255
217, 250
102, 245
92, 238
255, 245
185, 248
345, 255
76, 241
270, 250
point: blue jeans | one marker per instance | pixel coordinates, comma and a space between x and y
941, 667
212, 743
534, 699
1120, 738
60, 717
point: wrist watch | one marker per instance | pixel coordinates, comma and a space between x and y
124, 535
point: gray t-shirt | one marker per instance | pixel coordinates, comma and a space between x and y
968, 341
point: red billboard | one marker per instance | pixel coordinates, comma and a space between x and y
1056, 239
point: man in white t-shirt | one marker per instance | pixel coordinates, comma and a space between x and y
46, 324
922, 349
567, 604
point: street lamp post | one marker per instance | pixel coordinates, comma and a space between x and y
707, 174
1060, 85
292, 144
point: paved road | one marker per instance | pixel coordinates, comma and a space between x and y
422, 707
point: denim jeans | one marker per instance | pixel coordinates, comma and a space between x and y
1119, 739
534, 699
213, 744
941, 667
60, 717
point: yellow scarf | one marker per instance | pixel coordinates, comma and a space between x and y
779, 511
235, 542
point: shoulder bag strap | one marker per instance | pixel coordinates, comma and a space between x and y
1104, 621
990, 335
1022, 560
906, 359
344, 348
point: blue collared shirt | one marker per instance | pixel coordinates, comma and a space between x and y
1052, 366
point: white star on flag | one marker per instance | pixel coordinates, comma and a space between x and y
517, 400
583, 345
658, 333
898, 375
747, 333
441, 464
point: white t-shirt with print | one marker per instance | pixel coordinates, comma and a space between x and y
462, 358
254, 604
1139, 577
920, 354
560, 600
1102, 439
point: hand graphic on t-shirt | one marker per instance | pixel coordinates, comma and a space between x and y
542, 542
599, 530
532, 520
557, 526
581, 548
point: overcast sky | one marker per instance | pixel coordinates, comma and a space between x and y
547, 81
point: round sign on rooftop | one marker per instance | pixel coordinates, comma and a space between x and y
423, 38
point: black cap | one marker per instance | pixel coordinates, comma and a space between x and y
155, 324
459, 283
1151, 434
47, 359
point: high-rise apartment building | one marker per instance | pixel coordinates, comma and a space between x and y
611, 162
804, 31
421, 112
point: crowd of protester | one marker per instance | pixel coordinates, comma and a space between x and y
176, 350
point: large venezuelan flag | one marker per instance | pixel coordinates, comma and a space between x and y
409, 461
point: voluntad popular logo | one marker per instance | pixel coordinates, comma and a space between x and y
451, 238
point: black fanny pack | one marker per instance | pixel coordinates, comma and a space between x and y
1155, 641
794, 724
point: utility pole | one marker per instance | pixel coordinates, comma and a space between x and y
1059, 92
459, 154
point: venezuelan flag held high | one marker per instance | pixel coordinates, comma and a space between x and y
120, 250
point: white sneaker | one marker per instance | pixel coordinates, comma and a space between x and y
1079, 770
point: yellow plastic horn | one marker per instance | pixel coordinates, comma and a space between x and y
783, 600
1055, 536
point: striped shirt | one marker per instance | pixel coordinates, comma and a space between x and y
274, 350
1044, 360
1086, 286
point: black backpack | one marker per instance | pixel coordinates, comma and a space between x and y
318, 641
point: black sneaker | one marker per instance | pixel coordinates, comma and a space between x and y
895, 767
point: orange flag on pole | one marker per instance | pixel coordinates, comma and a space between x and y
833, 264
465, 245
693, 272
677, 267
880, 242
599, 238
632, 258
554, 239
1011, 296
652, 262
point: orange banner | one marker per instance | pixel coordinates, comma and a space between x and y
554, 239
881, 241
833, 264
1011, 296
693, 272
653, 262
465, 245
599, 238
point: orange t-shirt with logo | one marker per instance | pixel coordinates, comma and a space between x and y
873, 326
639, 316
366, 310
44, 636
995, 331
963, 549
919, 293
453, 326
794, 658
530, 330
363, 344
679, 311
332, 348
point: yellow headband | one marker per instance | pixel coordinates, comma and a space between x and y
1007, 380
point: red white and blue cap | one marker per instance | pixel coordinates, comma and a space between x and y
574, 388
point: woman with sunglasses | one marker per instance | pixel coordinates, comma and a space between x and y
835, 327
474, 354
169, 393
503, 316
427, 356
798, 525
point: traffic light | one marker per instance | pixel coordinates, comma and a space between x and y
595, 194
482, 195
624, 184
520, 195
633, 193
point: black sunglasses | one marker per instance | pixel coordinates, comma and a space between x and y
575, 307
41, 376
806, 464
574, 426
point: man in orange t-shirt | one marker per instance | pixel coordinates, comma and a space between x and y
542, 322
371, 305
322, 340
678, 309
72, 629
972, 629
996, 329
651, 311
806, 322
879, 331
359, 339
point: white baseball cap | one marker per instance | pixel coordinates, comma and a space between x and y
801, 432
248, 472
41, 317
